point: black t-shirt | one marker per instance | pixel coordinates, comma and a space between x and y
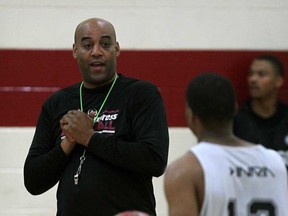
271, 132
129, 147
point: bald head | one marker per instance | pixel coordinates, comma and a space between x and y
96, 23
96, 49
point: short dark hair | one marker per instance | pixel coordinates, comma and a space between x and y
211, 97
274, 61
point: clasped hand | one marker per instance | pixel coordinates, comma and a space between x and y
77, 127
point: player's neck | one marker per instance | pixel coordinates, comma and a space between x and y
264, 107
219, 136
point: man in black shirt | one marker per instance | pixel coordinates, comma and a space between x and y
264, 118
102, 139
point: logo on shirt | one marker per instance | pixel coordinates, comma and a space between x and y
105, 123
252, 171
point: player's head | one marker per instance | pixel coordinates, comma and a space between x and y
211, 98
277, 65
265, 77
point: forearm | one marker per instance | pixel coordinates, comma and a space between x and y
42, 172
144, 157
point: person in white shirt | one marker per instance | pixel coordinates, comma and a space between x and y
223, 175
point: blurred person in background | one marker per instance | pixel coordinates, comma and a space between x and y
263, 119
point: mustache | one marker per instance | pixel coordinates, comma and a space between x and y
254, 86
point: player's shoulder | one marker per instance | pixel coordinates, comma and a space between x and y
186, 167
271, 157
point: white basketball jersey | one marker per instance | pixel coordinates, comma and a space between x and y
242, 181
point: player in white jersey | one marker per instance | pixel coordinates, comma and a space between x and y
223, 175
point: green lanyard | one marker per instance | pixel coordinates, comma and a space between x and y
97, 114
82, 158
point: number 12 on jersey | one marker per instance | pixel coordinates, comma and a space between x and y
254, 207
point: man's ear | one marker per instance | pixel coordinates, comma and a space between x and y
74, 51
193, 121
189, 115
117, 49
279, 81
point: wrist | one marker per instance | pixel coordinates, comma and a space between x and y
67, 146
88, 138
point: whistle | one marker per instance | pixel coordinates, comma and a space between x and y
76, 179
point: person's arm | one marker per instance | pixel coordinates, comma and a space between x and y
148, 151
45, 160
181, 188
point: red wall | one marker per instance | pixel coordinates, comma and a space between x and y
170, 70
